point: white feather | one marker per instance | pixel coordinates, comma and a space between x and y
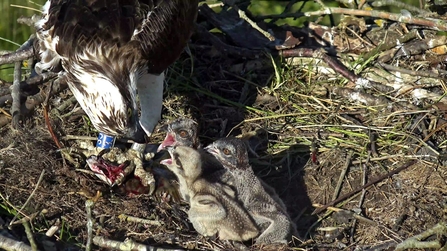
137, 31
48, 47
97, 85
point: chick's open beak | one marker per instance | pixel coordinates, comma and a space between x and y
167, 162
168, 141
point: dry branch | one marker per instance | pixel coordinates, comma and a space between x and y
24, 52
88, 207
127, 245
31, 195
435, 24
418, 242
9, 244
15, 95
372, 182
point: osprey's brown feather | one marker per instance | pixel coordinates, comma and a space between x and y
103, 47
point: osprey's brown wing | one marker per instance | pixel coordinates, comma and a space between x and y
165, 31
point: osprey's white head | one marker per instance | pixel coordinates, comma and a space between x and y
110, 103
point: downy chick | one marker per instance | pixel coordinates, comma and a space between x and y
268, 213
184, 132
213, 209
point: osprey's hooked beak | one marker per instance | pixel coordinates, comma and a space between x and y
139, 135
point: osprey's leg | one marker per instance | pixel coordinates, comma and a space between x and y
105, 141
150, 94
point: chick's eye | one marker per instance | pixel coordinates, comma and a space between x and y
226, 151
129, 112
183, 133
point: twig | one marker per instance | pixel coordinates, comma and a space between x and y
128, 218
88, 207
342, 176
215, 5
37, 99
427, 74
24, 52
390, 45
401, 5
47, 118
5, 113
417, 243
382, 246
127, 245
435, 24
362, 196
350, 213
29, 217
10, 244
15, 95
29, 235
286, 9
72, 100
31, 195
76, 137
429, 136
10, 204
244, 16
334, 64
358, 95
372, 182
39, 79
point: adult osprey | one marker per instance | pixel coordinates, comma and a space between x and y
110, 51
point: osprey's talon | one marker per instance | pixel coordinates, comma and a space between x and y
67, 153
167, 190
104, 151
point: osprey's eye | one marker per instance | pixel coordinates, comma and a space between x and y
226, 151
129, 113
183, 133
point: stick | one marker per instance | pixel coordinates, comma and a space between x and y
417, 240
47, 118
127, 245
435, 24
10, 244
29, 234
31, 195
372, 182
88, 206
342, 176
15, 94
24, 52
